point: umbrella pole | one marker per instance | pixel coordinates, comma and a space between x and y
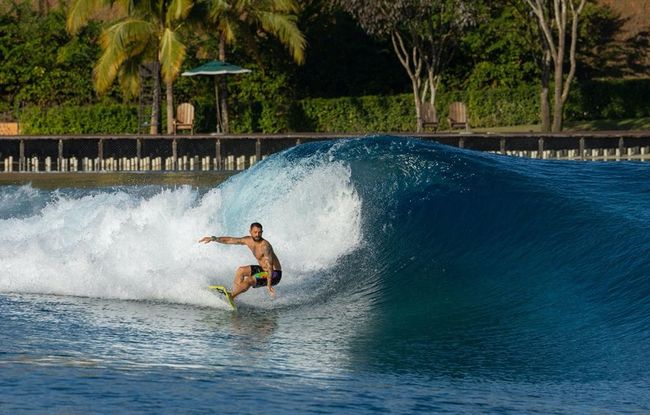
216, 96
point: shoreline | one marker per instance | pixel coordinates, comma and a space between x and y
55, 180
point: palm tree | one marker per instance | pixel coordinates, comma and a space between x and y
146, 32
241, 21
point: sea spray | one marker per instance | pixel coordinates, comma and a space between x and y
125, 245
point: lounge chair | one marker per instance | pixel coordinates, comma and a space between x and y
184, 118
458, 115
428, 115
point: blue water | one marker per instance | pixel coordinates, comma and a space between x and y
418, 278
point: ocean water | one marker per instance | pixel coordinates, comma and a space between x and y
418, 278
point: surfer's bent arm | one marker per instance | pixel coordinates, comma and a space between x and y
223, 240
267, 265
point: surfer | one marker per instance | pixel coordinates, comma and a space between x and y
253, 275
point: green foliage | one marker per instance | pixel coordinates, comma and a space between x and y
93, 119
260, 102
504, 106
487, 108
264, 107
40, 64
342, 60
610, 99
499, 51
494, 72
362, 114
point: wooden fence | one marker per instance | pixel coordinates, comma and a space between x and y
93, 153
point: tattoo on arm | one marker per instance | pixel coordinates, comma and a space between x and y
228, 240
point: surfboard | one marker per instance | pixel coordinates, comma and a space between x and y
225, 294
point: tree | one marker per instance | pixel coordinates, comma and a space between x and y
147, 32
498, 51
44, 69
242, 21
423, 33
553, 18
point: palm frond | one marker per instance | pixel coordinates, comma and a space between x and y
218, 8
80, 11
284, 27
178, 10
280, 6
171, 55
122, 41
129, 77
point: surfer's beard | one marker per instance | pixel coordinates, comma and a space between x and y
257, 238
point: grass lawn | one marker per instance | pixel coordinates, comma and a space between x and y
597, 125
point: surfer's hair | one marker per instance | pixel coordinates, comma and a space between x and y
256, 225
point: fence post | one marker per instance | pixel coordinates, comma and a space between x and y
60, 155
218, 165
621, 145
174, 154
100, 152
540, 147
21, 156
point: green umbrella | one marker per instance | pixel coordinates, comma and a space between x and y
214, 68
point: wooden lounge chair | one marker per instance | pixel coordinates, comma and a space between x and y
458, 115
428, 115
184, 118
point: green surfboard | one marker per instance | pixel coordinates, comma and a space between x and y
226, 295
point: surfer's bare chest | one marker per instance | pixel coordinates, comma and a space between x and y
258, 250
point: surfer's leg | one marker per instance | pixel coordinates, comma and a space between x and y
242, 282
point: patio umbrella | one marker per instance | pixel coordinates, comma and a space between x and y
214, 68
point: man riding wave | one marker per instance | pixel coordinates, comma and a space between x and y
268, 271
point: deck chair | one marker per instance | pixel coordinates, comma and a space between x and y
184, 118
458, 115
429, 115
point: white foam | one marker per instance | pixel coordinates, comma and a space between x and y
125, 246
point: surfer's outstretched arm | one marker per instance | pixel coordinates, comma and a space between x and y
223, 240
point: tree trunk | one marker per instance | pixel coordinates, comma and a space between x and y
418, 104
558, 107
558, 79
413, 72
552, 21
155, 105
575, 14
223, 91
170, 106
545, 111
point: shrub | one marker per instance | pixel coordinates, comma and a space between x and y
90, 119
609, 99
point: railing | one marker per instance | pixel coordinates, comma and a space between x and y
94, 153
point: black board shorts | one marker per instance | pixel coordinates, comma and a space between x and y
260, 276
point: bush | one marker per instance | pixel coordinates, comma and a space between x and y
362, 114
260, 101
504, 106
91, 119
264, 107
487, 108
609, 99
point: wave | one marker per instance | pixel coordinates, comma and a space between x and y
433, 247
